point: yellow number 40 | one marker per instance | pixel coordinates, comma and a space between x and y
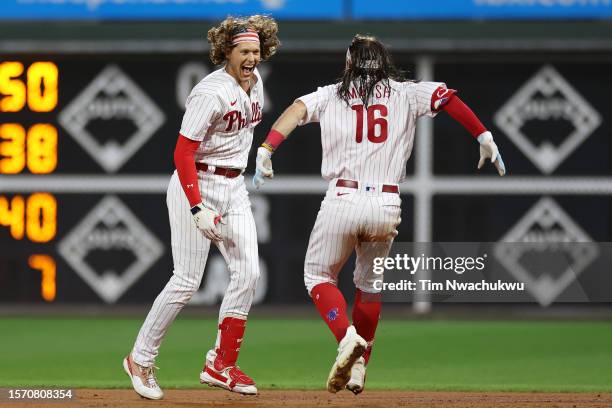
36, 216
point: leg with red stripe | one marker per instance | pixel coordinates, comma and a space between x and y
220, 369
366, 314
331, 305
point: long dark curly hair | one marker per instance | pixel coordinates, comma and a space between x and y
370, 63
220, 37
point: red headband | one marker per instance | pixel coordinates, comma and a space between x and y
249, 35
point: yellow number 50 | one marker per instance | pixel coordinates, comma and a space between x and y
40, 89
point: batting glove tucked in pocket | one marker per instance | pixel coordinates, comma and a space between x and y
206, 221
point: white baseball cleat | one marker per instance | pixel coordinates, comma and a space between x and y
358, 374
229, 378
143, 379
351, 347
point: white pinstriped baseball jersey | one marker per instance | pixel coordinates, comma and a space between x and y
370, 144
221, 115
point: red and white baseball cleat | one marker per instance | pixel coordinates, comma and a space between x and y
143, 379
230, 378
351, 347
358, 376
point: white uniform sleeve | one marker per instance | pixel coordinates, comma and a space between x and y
424, 92
315, 103
201, 110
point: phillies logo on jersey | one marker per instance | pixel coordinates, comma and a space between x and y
236, 117
257, 113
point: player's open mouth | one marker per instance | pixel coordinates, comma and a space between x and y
247, 71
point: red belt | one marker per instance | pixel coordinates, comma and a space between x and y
220, 171
386, 188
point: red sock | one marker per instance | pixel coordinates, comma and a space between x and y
332, 307
232, 331
366, 313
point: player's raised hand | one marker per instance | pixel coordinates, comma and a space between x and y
489, 150
263, 167
206, 221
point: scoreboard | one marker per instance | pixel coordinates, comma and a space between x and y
86, 143
32, 148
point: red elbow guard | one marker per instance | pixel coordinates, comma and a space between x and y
441, 97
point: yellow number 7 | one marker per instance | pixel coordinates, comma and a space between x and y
46, 265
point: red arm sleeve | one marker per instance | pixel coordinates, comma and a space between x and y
185, 167
464, 115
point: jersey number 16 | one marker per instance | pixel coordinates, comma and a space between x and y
376, 134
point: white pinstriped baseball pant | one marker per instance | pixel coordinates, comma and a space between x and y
351, 219
229, 198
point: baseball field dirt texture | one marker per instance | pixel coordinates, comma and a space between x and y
433, 363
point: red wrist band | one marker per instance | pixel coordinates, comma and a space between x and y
274, 139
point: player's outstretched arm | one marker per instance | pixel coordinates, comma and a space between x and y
459, 111
281, 129
290, 118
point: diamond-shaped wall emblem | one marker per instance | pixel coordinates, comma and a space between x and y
547, 97
110, 249
546, 233
112, 97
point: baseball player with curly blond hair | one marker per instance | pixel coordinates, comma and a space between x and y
367, 130
208, 202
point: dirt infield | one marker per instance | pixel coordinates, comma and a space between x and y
94, 398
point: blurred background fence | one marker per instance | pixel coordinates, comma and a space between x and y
92, 95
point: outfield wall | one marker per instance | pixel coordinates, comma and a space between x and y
548, 112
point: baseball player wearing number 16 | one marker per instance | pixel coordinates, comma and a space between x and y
367, 130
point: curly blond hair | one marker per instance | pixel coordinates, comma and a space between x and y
220, 37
